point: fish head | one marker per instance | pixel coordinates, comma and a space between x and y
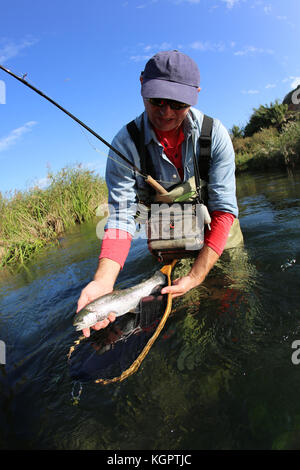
84, 319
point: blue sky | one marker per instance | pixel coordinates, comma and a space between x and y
88, 56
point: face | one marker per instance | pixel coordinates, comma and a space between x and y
164, 118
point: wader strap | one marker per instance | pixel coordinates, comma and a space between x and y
196, 172
147, 166
205, 147
138, 138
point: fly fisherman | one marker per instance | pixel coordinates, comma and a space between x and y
170, 87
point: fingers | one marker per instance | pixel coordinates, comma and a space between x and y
176, 291
179, 287
99, 325
82, 301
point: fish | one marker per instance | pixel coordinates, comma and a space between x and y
119, 301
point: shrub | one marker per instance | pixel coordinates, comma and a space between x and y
266, 116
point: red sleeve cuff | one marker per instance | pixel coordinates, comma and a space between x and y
216, 238
116, 245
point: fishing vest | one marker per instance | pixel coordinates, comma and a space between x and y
163, 241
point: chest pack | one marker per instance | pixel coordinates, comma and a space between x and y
175, 224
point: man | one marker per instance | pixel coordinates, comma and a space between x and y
170, 87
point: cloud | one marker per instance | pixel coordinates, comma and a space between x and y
230, 3
207, 46
43, 183
145, 5
250, 92
251, 50
270, 85
295, 82
140, 58
164, 46
10, 49
267, 9
15, 135
282, 18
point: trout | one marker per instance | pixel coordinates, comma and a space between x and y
118, 302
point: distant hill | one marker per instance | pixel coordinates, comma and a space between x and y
292, 99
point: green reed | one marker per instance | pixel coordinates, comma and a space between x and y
29, 220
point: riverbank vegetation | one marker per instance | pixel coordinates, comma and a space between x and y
271, 139
31, 219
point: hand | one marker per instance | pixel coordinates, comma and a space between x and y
91, 292
204, 262
181, 286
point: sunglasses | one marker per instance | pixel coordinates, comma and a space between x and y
159, 102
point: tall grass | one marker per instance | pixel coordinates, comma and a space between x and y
31, 219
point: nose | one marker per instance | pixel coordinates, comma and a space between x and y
165, 110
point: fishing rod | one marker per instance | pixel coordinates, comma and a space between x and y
148, 178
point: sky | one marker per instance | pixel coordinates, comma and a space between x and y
88, 55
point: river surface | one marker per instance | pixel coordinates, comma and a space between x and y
223, 374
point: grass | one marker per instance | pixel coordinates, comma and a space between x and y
30, 220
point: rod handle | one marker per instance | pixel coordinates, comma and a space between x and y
155, 185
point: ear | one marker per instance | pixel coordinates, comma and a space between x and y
141, 79
199, 89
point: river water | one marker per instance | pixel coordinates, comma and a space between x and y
223, 373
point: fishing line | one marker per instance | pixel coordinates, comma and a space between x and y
148, 178
39, 92
113, 159
107, 155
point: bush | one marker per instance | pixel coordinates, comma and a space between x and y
289, 143
266, 116
269, 148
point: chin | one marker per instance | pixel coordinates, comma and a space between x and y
165, 125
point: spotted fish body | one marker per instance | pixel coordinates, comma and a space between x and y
119, 302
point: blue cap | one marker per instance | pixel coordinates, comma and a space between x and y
171, 75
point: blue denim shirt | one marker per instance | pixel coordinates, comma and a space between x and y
126, 187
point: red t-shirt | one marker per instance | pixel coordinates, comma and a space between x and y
172, 143
116, 243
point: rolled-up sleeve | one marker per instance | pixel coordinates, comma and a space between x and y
222, 186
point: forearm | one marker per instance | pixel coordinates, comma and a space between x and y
107, 272
203, 264
206, 258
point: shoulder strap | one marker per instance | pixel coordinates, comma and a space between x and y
146, 162
205, 147
138, 138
